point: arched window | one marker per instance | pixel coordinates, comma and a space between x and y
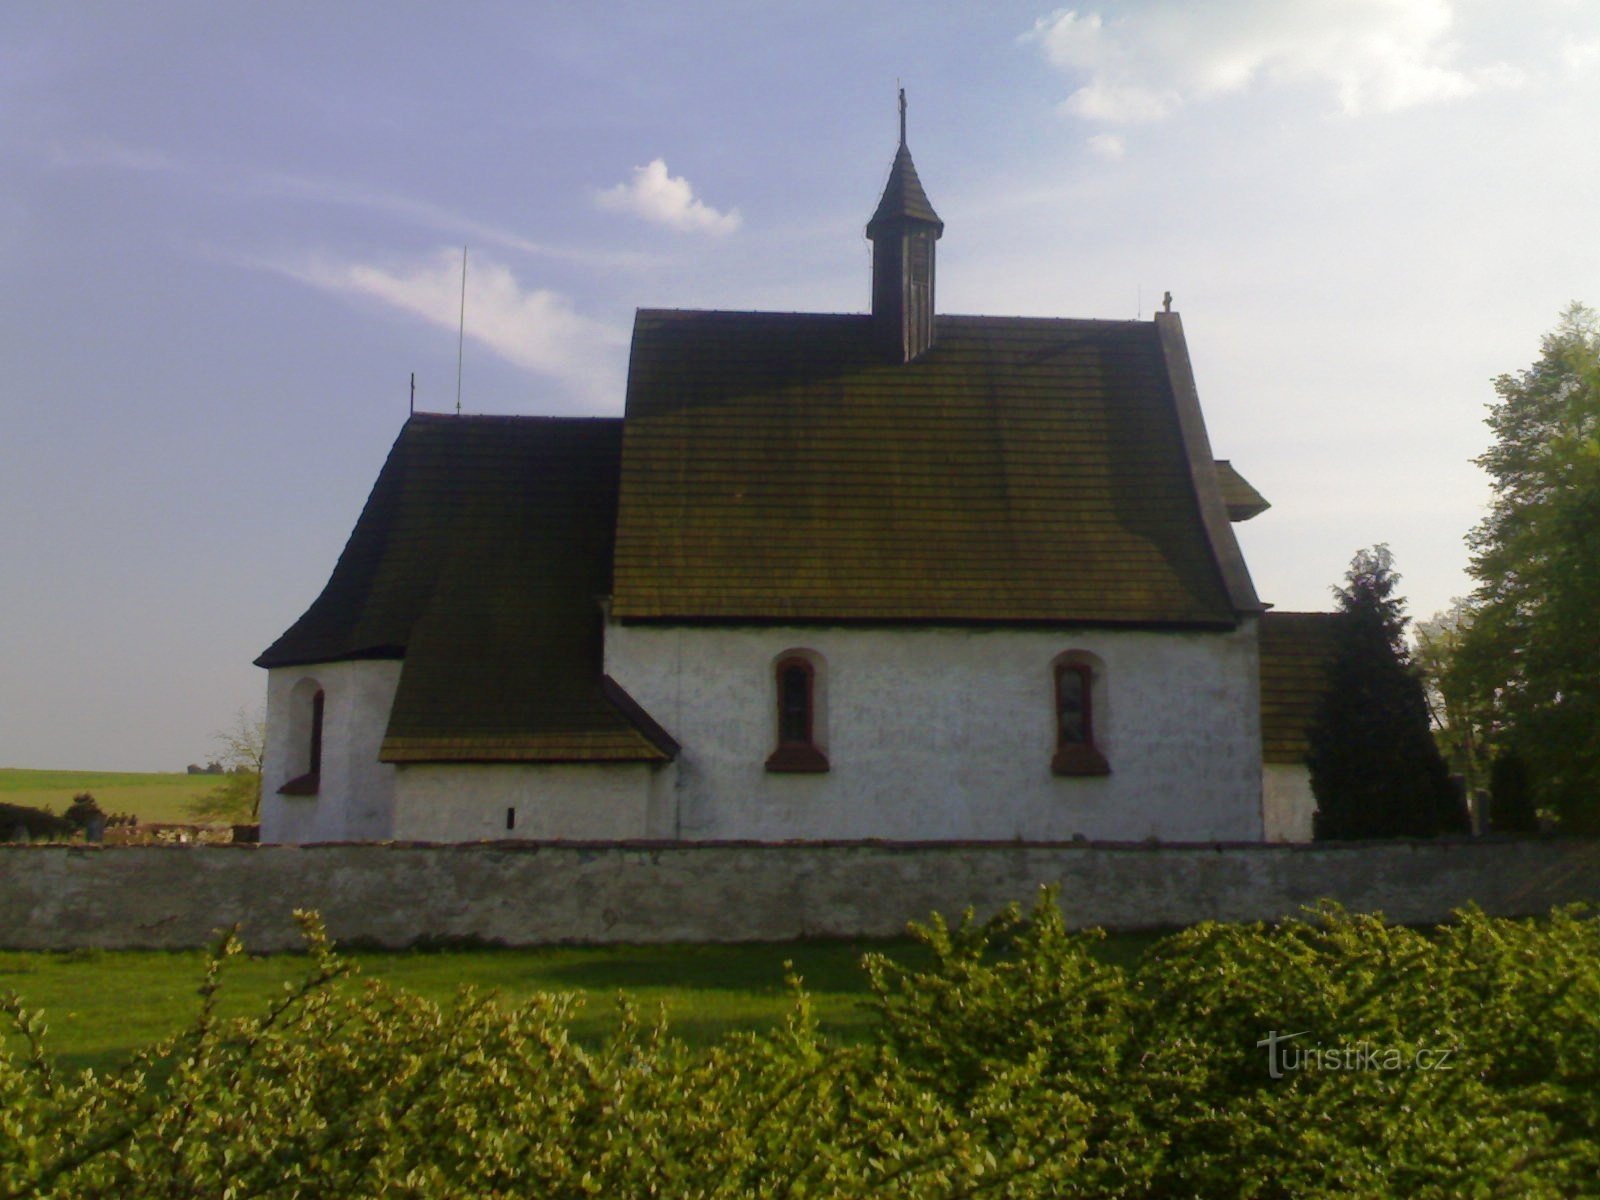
1079, 679
306, 706
795, 676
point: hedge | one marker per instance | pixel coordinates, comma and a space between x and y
1334, 1055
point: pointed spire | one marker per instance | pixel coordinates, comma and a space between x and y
903, 231
903, 197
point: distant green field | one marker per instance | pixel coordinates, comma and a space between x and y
151, 796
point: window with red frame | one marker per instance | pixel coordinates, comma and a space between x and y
1076, 752
797, 750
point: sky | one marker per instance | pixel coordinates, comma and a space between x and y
230, 233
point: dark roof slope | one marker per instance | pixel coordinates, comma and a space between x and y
1295, 651
1242, 499
903, 197
480, 558
775, 467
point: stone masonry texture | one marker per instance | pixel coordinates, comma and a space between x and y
399, 894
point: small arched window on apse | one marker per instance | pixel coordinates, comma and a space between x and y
801, 714
1079, 713
306, 705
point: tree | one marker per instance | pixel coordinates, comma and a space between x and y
86, 816
1461, 722
238, 796
1375, 769
1532, 653
1511, 804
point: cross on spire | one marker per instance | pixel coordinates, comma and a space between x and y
902, 116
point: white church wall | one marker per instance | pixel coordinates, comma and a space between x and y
354, 800
1286, 801
547, 801
949, 733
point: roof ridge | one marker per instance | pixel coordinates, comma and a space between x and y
790, 314
488, 418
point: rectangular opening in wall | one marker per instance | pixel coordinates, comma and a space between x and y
511, 818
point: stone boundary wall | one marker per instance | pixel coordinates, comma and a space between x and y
58, 897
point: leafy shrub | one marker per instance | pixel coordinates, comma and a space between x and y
19, 821
1017, 1064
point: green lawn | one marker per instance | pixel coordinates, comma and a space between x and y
154, 798
101, 1005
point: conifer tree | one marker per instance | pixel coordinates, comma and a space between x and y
1375, 769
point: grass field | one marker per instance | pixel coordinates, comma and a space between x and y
102, 1005
154, 798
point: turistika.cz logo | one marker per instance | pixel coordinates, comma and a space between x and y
1285, 1054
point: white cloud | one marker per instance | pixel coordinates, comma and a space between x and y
1579, 56
535, 329
1375, 55
667, 200
1108, 145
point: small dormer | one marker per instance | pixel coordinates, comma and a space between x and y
1243, 501
903, 231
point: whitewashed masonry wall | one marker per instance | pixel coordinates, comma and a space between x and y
354, 800
948, 733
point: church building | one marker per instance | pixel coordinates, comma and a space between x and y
904, 575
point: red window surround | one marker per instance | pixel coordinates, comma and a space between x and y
797, 751
1076, 752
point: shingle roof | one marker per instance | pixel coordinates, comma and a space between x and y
1295, 650
903, 197
1243, 501
775, 467
480, 558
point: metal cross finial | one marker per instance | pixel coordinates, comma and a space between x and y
902, 116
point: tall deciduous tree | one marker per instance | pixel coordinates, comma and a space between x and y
1375, 769
1532, 652
1461, 722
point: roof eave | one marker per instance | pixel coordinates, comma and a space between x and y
1225, 551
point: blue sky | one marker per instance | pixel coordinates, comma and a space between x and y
230, 232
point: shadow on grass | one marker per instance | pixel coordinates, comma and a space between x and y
102, 1006
821, 966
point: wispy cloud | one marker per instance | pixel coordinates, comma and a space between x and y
532, 328
255, 183
667, 200
329, 191
1109, 145
1376, 55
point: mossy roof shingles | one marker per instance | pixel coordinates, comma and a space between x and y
775, 467
1295, 651
480, 559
